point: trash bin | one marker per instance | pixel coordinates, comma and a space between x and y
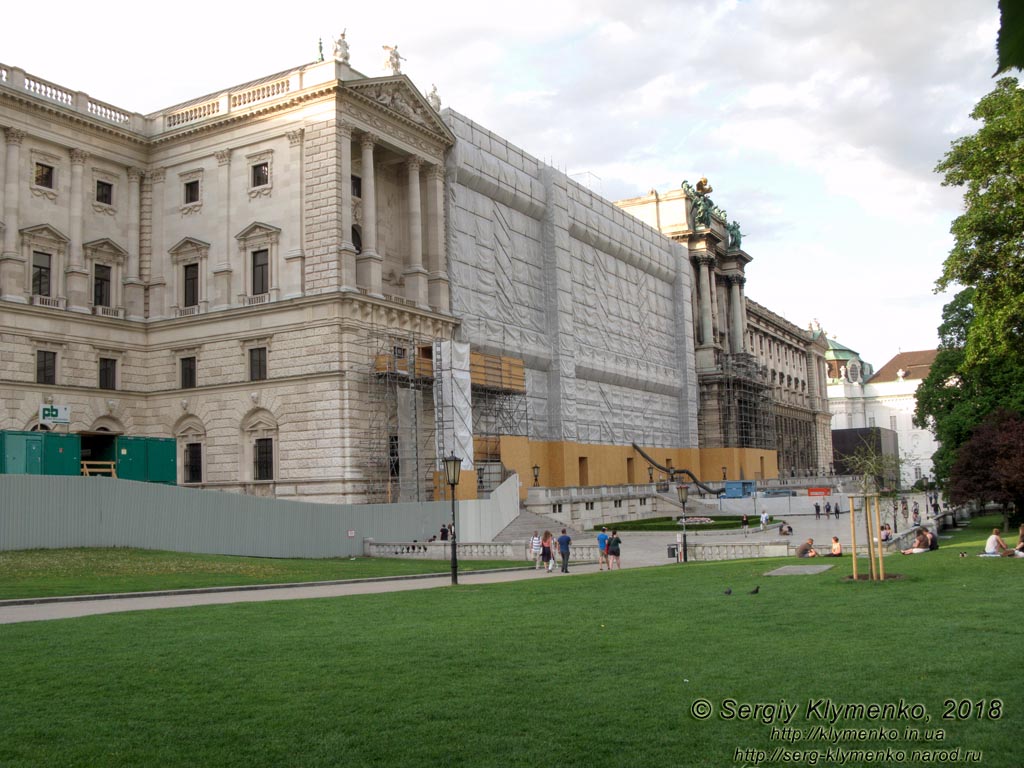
673, 552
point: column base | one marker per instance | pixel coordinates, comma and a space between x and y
368, 272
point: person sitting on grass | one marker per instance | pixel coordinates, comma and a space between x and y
921, 544
786, 529
837, 548
1018, 551
995, 546
806, 549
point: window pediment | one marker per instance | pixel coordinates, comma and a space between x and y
44, 235
189, 249
257, 233
105, 250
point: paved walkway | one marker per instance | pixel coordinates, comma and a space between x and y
638, 550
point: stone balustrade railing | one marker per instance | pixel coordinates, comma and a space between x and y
489, 550
244, 98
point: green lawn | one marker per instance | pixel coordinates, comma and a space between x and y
592, 670
49, 572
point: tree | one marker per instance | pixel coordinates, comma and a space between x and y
1010, 43
988, 251
990, 464
955, 398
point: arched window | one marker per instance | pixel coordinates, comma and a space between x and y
259, 446
191, 436
357, 240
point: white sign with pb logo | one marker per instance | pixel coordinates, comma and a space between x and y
55, 414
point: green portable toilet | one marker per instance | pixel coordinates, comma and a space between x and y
130, 457
162, 459
62, 454
21, 453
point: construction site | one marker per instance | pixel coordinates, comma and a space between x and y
426, 399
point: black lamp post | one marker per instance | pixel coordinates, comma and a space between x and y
452, 470
650, 474
723, 474
684, 493
536, 475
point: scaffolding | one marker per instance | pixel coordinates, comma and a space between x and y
394, 381
499, 410
736, 407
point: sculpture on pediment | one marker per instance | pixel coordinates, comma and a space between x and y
394, 61
341, 48
735, 236
433, 99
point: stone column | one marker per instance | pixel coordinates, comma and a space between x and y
222, 271
77, 273
368, 263
437, 264
737, 326
290, 282
705, 262
158, 256
415, 274
347, 268
133, 293
12, 264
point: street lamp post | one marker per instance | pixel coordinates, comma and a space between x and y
536, 475
452, 470
650, 474
684, 493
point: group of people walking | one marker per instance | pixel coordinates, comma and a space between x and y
543, 548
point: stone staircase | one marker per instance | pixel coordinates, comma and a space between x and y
522, 528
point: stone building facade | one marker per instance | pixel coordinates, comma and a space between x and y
762, 379
270, 275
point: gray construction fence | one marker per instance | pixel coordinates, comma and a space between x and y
48, 512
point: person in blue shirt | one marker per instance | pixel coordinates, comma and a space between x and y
602, 549
563, 550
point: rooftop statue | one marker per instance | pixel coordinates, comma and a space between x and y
341, 48
433, 99
394, 61
701, 205
735, 236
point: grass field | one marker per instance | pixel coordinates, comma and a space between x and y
589, 670
49, 572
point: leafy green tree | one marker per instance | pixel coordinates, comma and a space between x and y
990, 464
1010, 43
955, 398
988, 251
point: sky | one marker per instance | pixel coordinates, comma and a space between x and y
818, 123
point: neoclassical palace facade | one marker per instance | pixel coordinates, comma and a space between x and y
319, 283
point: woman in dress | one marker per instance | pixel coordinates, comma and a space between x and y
547, 557
614, 544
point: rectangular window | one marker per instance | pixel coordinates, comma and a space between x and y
261, 174
260, 272
191, 285
357, 186
46, 367
104, 192
263, 459
108, 373
193, 462
257, 364
188, 373
44, 175
101, 286
892, 422
191, 192
41, 274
